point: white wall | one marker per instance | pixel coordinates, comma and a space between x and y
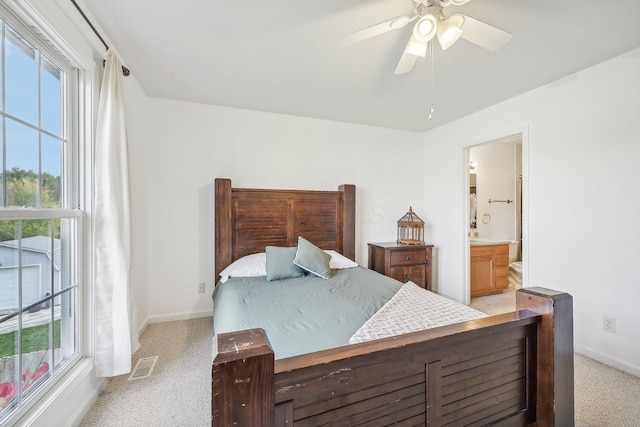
177, 149
137, 110
580, 154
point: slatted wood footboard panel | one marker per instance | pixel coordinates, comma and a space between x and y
489, 386
418, 382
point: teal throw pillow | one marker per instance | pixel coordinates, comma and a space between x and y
279, 263
311, 258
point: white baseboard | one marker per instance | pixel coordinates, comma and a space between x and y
172, 317
142, 327
607, 360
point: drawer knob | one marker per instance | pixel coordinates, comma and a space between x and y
409, 257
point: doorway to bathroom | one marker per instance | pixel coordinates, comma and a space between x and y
495, 216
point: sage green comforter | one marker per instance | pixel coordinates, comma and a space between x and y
302, 315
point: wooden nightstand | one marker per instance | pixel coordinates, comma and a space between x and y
402, 262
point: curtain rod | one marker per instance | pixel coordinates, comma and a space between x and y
125, 70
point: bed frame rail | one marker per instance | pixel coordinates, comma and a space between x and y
514, 369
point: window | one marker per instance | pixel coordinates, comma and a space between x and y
39, 229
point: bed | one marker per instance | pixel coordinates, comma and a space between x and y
514, 369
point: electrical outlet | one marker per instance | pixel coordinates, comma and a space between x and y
201, 288
609, 324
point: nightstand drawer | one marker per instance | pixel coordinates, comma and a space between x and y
408, 257
415, 273
402, 262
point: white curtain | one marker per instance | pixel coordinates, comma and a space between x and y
114, 335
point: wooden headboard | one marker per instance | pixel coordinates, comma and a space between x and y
247, 220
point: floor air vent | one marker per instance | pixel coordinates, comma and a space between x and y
143, 368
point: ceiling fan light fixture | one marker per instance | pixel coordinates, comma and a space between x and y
459, 2
425, 28
448, 33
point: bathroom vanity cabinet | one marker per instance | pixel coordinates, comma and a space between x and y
489, 269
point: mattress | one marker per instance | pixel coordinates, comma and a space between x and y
309, 314
305, 314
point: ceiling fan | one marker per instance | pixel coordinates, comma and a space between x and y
432, 22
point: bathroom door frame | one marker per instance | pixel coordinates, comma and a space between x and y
524, 133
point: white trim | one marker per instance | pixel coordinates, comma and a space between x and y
70, 31
27, 214
142, 328
69, 401
61, 23
526, 179
66, 402
466, 153
607, 360
173, 317
87, 104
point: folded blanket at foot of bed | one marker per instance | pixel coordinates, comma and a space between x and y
413, 309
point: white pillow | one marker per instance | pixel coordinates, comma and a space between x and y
339, 261
254, 265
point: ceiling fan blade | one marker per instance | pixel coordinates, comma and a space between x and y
445, 3
480, 33
410, 55
406, 63
377, 29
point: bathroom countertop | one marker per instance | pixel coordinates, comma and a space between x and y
486, 242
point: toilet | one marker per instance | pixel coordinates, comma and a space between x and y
515, 266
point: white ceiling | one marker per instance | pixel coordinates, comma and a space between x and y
289, 57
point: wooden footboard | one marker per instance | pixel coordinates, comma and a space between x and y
514, 369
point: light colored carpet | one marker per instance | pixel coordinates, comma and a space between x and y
605, 396
496, 304
179, 390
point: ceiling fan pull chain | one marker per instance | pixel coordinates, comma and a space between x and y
432, 109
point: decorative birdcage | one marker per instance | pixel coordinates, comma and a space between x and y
411, 229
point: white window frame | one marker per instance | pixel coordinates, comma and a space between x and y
83, 89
